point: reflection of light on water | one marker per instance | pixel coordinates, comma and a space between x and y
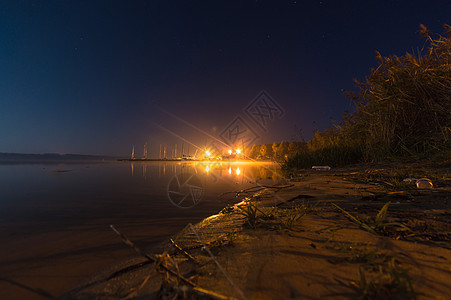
217, 170
144, 170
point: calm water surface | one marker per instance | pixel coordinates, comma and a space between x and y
54, 218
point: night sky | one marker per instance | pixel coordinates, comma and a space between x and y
95, 77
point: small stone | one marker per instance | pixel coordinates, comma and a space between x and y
424, 183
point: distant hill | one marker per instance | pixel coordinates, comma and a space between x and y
8, 157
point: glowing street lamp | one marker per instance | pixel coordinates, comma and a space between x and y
207, 153
238, 151
230, 152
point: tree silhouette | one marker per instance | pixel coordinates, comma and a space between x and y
274, 149
264, 151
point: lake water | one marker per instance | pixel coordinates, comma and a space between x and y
55, 217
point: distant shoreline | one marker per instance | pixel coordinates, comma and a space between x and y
172, 159
54, 158
189, 160
20, 157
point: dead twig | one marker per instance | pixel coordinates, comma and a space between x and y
210, 244
189, 256
129, 243
217, 263
202, 292
257, 188
134, 293
129, 269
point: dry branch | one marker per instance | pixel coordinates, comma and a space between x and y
129, 243
217, 263
134, 293
203, 292
257, 188
189, 256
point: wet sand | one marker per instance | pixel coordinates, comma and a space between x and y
56, 261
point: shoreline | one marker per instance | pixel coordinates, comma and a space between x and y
320, 255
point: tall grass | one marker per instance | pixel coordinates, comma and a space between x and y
326, 148
402, 110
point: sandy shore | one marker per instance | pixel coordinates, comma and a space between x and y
293, 243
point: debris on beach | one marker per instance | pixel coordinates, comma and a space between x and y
321, 168
424, 183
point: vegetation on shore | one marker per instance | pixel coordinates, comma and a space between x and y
275, 151
401, 111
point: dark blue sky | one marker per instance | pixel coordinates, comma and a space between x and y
89, 76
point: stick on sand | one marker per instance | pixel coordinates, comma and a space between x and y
217, 263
